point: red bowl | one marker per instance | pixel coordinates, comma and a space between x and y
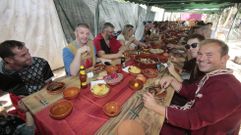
111, 109
136, 84
71, 92
61, 109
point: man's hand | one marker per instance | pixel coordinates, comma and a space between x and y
21, 106
132, 39
3, 111
171, 46
150, 103
173, 59
164, 82
171, 68
169, 80
84, 49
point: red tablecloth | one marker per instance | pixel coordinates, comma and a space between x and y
87, 115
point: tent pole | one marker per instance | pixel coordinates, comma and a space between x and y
170, 19
216, 28
234, 18
97, 17
148, 13
163, 16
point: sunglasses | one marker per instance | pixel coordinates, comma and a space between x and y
193, 45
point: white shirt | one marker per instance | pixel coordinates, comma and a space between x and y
121, 37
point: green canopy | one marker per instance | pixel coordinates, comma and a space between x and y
202, 6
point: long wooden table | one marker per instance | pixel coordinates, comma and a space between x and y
151, 121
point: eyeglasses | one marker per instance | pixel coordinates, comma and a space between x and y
193, 45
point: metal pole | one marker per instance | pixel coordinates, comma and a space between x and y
97, 16
163, 16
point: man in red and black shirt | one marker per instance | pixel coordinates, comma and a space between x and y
105, 43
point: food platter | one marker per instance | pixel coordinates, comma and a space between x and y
113, 79
150, 73
158, 92
133, 70
55, 87
98, 68
100, 90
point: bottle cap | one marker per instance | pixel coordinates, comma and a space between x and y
82, 67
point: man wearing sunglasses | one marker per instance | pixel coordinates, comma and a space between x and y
190, 67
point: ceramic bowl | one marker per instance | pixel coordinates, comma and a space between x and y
71, 92
136, 84
61, 109
111, 109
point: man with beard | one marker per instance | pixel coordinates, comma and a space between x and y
21, 74
214, 104
81, 51
106, 45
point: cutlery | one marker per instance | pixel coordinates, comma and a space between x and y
44, 99
40, 100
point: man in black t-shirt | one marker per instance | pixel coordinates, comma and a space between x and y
20, 73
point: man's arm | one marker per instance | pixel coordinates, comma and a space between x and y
185, 90
102, 54
209, 108
47, 72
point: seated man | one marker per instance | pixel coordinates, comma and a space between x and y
106, 45
81, 51
21, 74
214, 105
